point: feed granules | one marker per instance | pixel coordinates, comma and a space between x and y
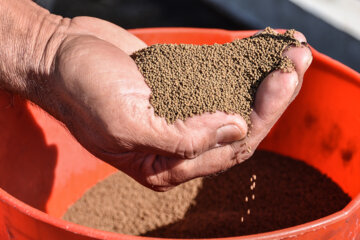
288, 193
187, 80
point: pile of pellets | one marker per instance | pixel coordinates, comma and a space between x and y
285, 192
188, 80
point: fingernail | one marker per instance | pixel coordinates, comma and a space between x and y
228, 134
310, 55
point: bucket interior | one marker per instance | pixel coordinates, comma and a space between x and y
42, 165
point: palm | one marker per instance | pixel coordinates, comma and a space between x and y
101, 77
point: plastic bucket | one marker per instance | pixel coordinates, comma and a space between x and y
43, 169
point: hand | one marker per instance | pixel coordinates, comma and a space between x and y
97, 91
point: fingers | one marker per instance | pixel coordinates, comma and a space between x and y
302, 58
210, 162
169, 172
109, 32
274, 94
272, 98
162, 173
277, 91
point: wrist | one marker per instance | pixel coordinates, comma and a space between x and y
29, 37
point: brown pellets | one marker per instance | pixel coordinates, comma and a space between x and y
187, 80
288, 193
252, 187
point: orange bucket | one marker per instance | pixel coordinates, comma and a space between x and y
43, 169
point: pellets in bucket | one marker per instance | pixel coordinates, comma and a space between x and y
288, 192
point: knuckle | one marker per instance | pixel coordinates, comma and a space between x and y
188, 147
193, 147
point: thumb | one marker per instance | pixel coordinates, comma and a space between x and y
209, 130
188, 139
277, 91
272, 98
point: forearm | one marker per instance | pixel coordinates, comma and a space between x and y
26, 47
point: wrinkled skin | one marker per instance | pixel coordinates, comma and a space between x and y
103, 100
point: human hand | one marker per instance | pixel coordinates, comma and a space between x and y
102, 98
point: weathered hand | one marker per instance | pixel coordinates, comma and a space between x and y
102, 98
